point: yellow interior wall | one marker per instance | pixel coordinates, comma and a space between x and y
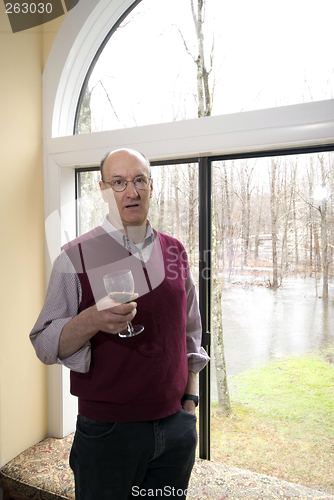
23, 384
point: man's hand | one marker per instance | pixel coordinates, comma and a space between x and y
111, 317
106, 316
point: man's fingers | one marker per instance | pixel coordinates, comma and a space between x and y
105, 303
108, 303
113, 317
123, 309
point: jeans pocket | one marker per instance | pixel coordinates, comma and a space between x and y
94, 428
193, 415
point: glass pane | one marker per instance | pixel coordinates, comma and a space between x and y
91, 209
174, 206
255, 55
274, 226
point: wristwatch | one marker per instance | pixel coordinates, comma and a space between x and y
192, 397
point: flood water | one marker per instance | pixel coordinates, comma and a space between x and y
261, 324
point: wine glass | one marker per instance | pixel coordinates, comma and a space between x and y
120, 287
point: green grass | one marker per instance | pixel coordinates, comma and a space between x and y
282, 421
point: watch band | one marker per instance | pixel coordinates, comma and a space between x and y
191, 397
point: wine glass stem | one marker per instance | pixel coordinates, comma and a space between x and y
130, 328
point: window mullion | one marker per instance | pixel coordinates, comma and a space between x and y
205, 225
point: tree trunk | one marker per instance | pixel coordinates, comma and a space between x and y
324, 246
273, 210
203, 90
287, 206
224, 403
192, 200
295, 217
258, 228
242, 175
324, 249
162, 201
230, 245
311, 212
247, 215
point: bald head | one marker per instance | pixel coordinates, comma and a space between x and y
131, 204
122, 155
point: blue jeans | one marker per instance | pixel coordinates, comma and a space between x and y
125, 460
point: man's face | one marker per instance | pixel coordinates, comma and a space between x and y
131, 205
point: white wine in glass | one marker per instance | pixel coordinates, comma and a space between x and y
120, 287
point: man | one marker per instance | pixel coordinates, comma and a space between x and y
133, 437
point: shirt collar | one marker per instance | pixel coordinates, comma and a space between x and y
122, 239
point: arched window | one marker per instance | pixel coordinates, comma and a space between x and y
255, 57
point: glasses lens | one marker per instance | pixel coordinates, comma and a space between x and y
119, 185
141, 183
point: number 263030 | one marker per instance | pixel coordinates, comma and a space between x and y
25, 8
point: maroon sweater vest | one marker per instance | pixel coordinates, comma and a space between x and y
144, 377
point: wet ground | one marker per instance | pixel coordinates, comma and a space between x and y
261, 324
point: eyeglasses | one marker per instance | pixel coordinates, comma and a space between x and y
141, 182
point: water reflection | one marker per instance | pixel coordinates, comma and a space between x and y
260, 324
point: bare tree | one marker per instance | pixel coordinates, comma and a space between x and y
204, 109
294, 211
176, 198
228, 221
274, 212
162, 200
204, 94
258, 223
203, 89
224, 403
310, 182
245, 178
324, 247
287, 195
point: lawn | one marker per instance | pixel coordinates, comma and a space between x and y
282, 421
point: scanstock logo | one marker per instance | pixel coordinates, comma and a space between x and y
27, 14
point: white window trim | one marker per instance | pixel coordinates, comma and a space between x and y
79, 37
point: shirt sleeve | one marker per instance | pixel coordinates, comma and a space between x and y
62, 302
197, 355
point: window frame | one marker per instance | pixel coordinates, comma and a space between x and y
309, 125
205, 250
